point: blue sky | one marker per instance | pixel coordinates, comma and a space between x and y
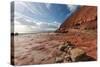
38, 17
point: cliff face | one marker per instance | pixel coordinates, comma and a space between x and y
81, 29
83, 18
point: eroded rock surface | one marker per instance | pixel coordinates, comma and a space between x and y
71, 54
83, 18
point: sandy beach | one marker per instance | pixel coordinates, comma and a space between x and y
41, 48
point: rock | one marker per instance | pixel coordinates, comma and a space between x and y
63, 54
76, 54
70, 53
59, 53
69, 47
79, 19
70, 44
59, 60
66, 44
65, 61
42, 59
66, 50
62, 47
68, 58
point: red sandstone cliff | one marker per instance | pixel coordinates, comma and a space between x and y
82, 27
83, 18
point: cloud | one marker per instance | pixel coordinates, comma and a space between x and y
25, 22
22, 21
72, 8
20, 15
48, 5
48, 25
27, 26
22, 6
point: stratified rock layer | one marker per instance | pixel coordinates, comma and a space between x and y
83, 18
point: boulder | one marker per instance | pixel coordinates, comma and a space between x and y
65, 46
77, 54
62, 47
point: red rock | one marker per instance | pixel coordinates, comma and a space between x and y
81, 29
85, 17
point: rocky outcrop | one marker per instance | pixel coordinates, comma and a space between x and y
81, 24
70, 53
83, 18
77, 54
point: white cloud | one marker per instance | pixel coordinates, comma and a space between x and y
72, 8
48, 25
20, 15
44, 26
23, 25
48, 5
37, 27
19, 5
17, 22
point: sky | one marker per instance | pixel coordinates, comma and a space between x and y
32, 17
